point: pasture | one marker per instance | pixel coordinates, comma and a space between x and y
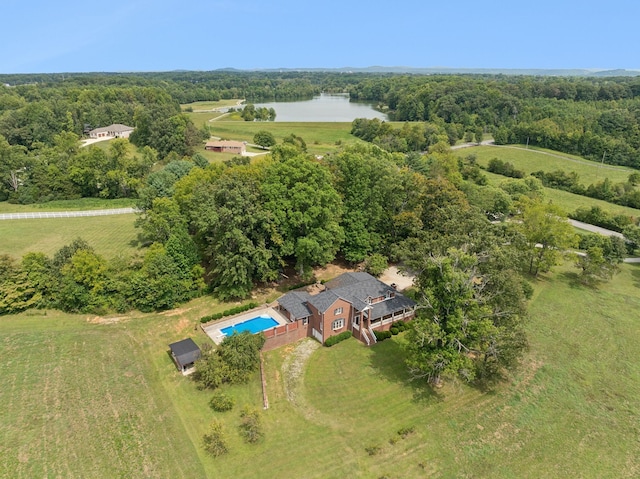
110, 236
569, 202
530, 160
100, 397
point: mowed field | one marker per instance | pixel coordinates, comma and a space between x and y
110, 236
101, 398
530, 160
569, 202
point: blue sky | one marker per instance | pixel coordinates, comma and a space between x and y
160, 35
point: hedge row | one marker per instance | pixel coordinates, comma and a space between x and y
228, 312
337, 338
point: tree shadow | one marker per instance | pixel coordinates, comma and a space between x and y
388, 360
572, 279
635, 274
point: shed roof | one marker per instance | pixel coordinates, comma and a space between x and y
185, 351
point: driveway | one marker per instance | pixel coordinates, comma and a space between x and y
392, 275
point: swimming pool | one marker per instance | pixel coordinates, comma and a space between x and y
253, 325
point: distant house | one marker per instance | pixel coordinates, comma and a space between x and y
185, 353
112, 131
226, 146
355, 302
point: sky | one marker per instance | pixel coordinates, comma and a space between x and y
44, 36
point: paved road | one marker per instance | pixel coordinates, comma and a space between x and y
65, 214
595, 229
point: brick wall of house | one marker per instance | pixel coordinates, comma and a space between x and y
330, 316
286, 334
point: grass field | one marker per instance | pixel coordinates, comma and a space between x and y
570, 201
84, 399
210, 105
69, 205
530, 160
110, 236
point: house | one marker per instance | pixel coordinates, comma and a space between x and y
355, 302
185, 353
112, 131
226, 146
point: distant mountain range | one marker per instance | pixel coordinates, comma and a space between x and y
451, 71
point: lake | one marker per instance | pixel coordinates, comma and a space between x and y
329, 108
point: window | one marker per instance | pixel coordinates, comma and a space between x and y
337, 324
305, 321
337, 311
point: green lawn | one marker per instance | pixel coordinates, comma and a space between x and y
530, 160
321, 138
82, 399
570, 201
110, 236
210, 105
69, 205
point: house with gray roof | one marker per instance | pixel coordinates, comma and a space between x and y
355, 302
116, 130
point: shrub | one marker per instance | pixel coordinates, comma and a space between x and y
228, 312
215, 442
406, 432
221, 402
337, 338
250, 425
394, 331
373, 450
400, 326
382, 335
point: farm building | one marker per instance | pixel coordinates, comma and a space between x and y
226, 146
112, 131
185, 353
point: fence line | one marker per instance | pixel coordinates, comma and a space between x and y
65, 214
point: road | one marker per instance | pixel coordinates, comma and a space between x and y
65, 214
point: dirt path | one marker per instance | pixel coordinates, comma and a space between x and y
293, 370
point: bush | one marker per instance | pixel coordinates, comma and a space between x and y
401, 325
373, 450
215, 442
382, 335
221, 402
394, 331
406, 432
337, 338
250, 425
228, 312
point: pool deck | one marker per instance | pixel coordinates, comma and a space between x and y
214, 330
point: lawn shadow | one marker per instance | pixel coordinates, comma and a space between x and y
635, 274
572, 279
387, 358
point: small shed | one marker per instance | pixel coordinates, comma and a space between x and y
185, 353
226, 146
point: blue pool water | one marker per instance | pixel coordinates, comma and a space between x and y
253, 325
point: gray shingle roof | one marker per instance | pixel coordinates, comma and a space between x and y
185, 351
295, 303
355, 288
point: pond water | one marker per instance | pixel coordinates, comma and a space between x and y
329, 108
